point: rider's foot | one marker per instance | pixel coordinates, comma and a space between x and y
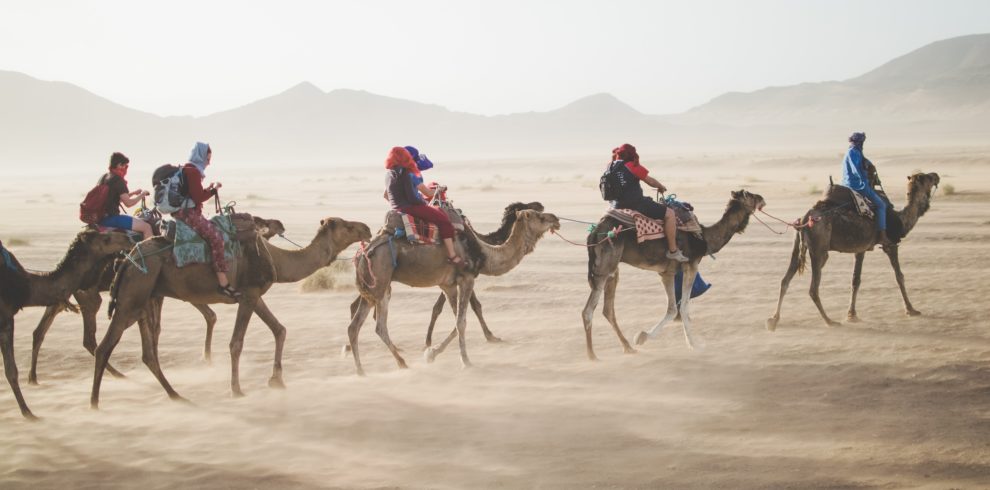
677, 255
457, 262
229, 292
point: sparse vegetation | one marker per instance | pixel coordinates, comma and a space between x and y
814, 189
17, 242
948, 189
338, 275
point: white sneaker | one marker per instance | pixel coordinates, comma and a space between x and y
677, 255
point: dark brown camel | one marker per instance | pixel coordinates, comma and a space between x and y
846, 231
136, 295
604, 258
19, 288
88, 299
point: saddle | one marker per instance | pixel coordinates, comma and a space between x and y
839, 195
418, 231
652, 229
237, 230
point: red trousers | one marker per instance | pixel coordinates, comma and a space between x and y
433, 215
194, 219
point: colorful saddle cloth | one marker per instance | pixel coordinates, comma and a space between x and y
190, 248
651, 229
418, 231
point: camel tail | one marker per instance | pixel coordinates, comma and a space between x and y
118, 277
800, 250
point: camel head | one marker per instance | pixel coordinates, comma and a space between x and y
101, 244
922, 184
520, 206
537, 223
751, 202
268, 228
342, 233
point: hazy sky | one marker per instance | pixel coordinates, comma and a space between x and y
498, 56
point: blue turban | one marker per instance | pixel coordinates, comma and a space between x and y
857, 139
422, 163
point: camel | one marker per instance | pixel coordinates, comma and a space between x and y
848, 232
134, 294
88, 299
426, 266
604, 256
20, 288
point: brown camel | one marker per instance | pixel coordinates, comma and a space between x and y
88, 300
19, 288
848, 232
134, 294
604, 257
427, 266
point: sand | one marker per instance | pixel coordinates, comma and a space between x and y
891, 402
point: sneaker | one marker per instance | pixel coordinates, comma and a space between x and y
677, 255
229, 292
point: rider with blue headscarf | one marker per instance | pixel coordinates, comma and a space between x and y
856, 177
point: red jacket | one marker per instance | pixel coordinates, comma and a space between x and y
194, 183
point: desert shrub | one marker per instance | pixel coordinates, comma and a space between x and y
337, 275
948, 189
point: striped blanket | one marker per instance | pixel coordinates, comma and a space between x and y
651, 229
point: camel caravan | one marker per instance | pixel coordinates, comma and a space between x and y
425, 241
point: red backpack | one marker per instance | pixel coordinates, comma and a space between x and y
94, 207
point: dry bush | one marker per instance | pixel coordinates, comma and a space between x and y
337, 275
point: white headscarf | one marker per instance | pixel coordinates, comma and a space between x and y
198, 156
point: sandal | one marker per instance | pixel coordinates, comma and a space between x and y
229, 292
457, 262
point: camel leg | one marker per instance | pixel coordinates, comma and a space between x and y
122, 320
10, 365
672, 312
245, 309
39, 338
278, 331
792, 269
857, 279
431, 353
895, 262
476, 307
89, 306
437, 310
690, 275
608, 311
150, 326
817, 263
465, 289
381, 328
211, 320
598, 285
357, 319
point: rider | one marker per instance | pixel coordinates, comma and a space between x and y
119, 195
625, 163
423, 164
856, 177
402, 195
194, 171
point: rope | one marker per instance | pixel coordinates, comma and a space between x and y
362, 251
576, 220
608, 237
282, 236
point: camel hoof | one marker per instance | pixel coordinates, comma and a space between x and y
345, 351
430, 354
592, 357
641, 338
33, 381
276, 383
833, 323
236, 394
772, 324
853, 319
630, 350
465, 364
360, 372
94, 405
30, 417
494, 340
402, 365
912, 312
117, 374
208, 360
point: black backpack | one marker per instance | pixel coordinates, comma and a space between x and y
171, 190
609, 185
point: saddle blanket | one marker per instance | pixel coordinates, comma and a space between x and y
863, 205
418, 231
651, 229
190, 248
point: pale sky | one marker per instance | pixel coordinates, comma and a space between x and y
501, 56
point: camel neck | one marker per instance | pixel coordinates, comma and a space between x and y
918, 203
296, 265
500, 259
49, 288
733, 221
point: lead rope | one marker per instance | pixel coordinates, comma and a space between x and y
362, 252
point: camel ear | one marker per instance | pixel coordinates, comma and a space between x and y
735, 194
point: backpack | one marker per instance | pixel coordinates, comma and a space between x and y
169, 183
94, 207
609, 185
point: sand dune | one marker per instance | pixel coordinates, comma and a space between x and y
892, 402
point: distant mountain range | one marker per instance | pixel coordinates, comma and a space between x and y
940, 92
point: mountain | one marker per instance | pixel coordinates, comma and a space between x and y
939, 93
946, 80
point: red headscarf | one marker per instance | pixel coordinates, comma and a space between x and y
120, 172
626, 153
399, 157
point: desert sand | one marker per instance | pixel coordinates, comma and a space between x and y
891, 402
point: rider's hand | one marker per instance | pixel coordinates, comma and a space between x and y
662, 188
